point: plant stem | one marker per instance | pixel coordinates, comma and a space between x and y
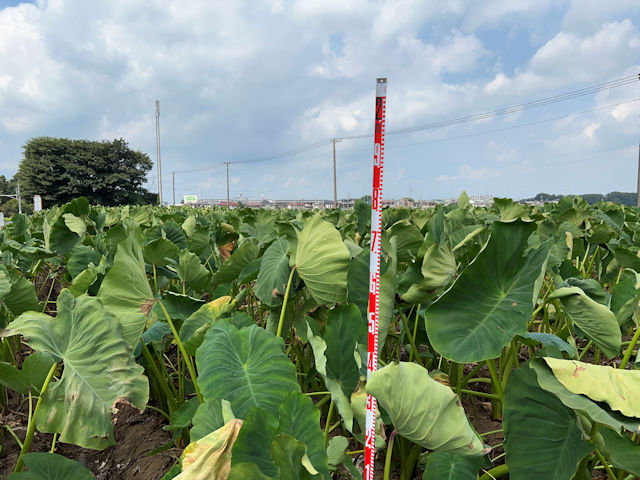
414, 349
468, 377
629, 351
415, 331
53, 443
387, 460
284, 303
585, 350
491, 365
495, 472
171, 401
328, 422
187, 359
155, 278
53, 281
31, 428
493, 396
604, 462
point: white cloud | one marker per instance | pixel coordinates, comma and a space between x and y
243, 80
467, 172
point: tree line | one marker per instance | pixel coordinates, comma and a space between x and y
61, 169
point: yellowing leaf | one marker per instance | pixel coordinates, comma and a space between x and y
210, 457
620, 389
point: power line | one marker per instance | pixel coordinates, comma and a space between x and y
452, 122
512, 109
497, 130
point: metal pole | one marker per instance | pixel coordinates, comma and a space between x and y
228, 204
638, 191
19, 198
173, 186
158, 147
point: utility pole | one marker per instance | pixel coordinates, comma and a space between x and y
227, 164
638, 191
335, 187
173, 186
19, 198
158, 147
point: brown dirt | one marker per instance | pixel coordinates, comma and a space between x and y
136, 435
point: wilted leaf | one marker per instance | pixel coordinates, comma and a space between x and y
428, 413
620, 389
210, 457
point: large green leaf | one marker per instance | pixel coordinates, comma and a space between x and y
597, 412
621, 451
290, 456
254, 441
30, 377
80, 258
243, 256
596, 321
196, 325
207, 418
274, 273
542, 435
450, 466
423, 410
99, 370
52, 467
322, 260
493, 298
620, 389
160, 252
358, 281
22, 296
387, 297
298, 418
344, 330
409, 240
125, 290
338, 396
192, 273
247, 367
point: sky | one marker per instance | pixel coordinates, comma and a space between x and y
240, 81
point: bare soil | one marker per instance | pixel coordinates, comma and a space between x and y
136, 435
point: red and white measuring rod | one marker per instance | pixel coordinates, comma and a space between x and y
374, 271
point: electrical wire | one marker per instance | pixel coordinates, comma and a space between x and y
512, 109
620, 82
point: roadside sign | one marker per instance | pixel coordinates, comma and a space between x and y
37, 203
190, 199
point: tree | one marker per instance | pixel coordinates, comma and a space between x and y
60, 169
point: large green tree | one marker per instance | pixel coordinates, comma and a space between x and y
60, 169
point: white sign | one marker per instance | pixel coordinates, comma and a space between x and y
190, 199
37, 203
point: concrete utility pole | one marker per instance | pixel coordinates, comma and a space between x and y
335, 176
173, 186
638, 191
19, 198
227, 164
158, 147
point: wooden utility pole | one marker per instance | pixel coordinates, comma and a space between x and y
335, 176
158, 152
